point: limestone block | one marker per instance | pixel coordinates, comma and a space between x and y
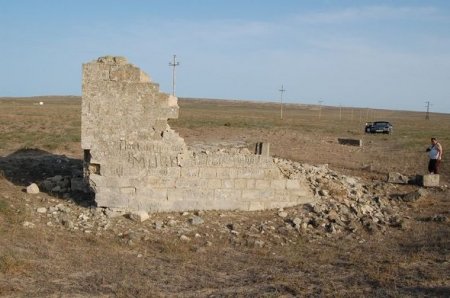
138, 216
208, 172
226, 172
257, 194
111, 199
95, 72
254, 173
227, 194
129, 190
292, 184
190, 194
430, 180
161, 182
250, 183
227, 183
125, 73
262, 183
278, 184
144, 78
255, 205
214, 183
33, 188
394, 177
272, 173
240, 183
191, 183
221, 205
189, 172
151, 193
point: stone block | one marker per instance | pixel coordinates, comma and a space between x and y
292, 184
151, 193
255, 205
272, 173
227, 194
262, 183
208, 173
111, 199
125, 73
189, 172
430, 180
214, 183
161, 182
250, 183
226, 173
278, 184
350, 142
240, 183
191, 183
130, 190
394, 177
138, 216
257, 194
33, 188
199, 195
255, 173
227, 183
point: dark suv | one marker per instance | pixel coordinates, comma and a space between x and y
378, 127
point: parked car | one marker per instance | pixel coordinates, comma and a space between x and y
379, 127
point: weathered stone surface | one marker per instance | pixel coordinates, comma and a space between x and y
139, 216
135, 161
394, 177
33, 188
430, 180
196, 220
415, 195
41, 210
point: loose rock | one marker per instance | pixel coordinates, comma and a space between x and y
33, 189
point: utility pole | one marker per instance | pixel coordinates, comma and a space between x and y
427, 116
173, 65
320, 108
282, 90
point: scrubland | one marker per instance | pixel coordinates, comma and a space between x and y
149, 259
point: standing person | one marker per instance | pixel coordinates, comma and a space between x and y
435, 155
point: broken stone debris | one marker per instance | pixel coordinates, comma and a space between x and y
352, 207
33, 188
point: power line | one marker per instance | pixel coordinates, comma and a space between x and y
427, 115
173, 65
320, 108
282, 90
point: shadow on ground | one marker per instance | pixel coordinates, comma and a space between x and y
26, 166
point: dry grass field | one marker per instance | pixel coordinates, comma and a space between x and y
143, 260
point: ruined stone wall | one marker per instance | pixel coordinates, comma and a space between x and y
135, 161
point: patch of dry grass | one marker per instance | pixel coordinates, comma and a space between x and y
51, 261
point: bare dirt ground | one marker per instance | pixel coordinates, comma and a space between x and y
72, 249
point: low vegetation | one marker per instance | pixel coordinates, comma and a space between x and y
39, 258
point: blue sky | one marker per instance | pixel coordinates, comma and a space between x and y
377, 54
